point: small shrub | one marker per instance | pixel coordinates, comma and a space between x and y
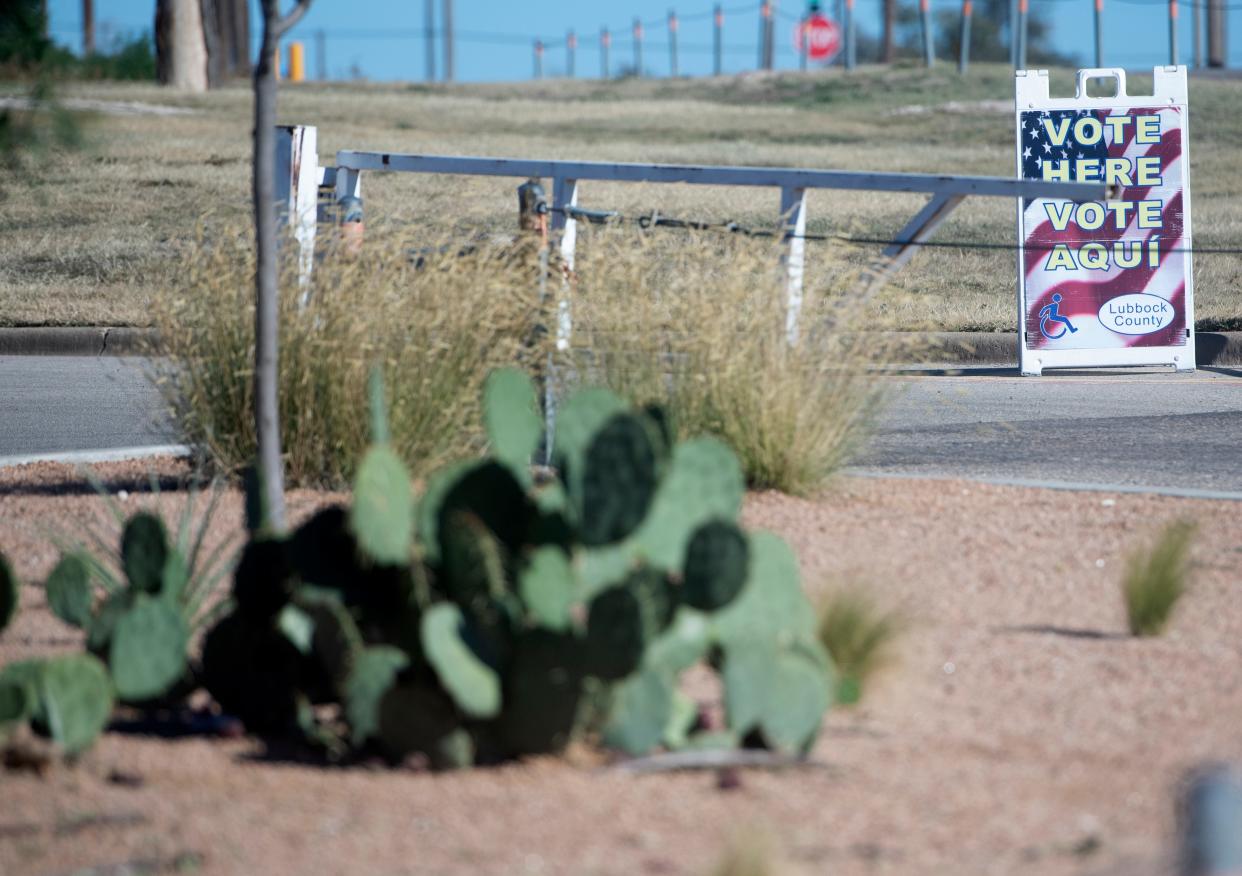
752, 853
1156, 578
860, 638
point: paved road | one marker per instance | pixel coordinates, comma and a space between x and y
1145, 429
1150, 429
53, 404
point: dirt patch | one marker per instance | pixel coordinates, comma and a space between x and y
1022, 731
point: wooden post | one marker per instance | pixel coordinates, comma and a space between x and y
1013, 34
804, 47
672, 43
718, 40
1217, 38
1099, 33
348, 193
851, 41
571, 53
890, 28
963, 51
538, 59
605, 43
929, 53
638, 47
793, 218
1023, 17
1173, 32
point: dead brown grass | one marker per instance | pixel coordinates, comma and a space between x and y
92, 238
435, 330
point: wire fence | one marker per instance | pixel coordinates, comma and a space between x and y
655, 220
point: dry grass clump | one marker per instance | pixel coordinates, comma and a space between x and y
860, 637
697, 323
753, 852
435, 329
1156, 578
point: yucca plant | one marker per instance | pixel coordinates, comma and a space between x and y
141, 601
860, 638
1156, 578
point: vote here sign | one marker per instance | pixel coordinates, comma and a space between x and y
1106, 282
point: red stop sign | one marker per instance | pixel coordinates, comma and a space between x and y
821, 35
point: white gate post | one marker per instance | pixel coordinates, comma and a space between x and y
793, 220
297, 194
565, 196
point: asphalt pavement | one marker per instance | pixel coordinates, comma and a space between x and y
1144, 429
1139, 429
54, 404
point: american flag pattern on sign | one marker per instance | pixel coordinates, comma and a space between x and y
1074, 294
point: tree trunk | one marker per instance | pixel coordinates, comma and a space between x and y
267, 306
266, 311
180, 45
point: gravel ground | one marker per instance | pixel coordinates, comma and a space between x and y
1020, 731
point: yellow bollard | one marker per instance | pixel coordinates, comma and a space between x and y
297, 62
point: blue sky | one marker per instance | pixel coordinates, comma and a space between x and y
378, 37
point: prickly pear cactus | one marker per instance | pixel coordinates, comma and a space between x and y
69, 591
509, 613
9, 593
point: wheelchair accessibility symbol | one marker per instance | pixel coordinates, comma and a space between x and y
1049, 314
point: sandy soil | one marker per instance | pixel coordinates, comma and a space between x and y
1021, 730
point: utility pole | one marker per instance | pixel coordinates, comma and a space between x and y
672, 43
429, 38
717, 40
638, 48
890, 21
321, 55
605, 43
1196, 25
1217, 37
448, 40
88, 28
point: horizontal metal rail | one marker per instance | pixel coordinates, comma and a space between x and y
723, 175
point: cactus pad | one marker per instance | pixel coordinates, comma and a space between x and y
262, 582
69, 593
717, 564
382, 516
144, 552
416, 716
781, 692
373, 673
617, 479
771, 605
511, 417
253, 672
702, 482
9, 593
473, 685
76, 696
623, 620
543, 687
147, 650
547, 588
642, 707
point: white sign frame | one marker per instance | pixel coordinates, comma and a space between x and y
1031, 93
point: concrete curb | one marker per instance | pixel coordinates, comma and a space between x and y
76, 341
1218, 349
1215, 349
